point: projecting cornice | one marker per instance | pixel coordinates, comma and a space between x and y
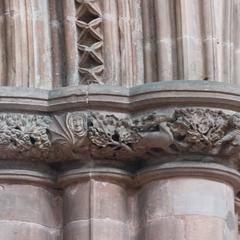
160, 94
162, 122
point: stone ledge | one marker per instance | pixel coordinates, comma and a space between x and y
43, 175
154, 95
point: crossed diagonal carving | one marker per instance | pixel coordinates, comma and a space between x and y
90, 28
90, 41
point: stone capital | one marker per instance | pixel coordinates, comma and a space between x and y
202, 134
124, 132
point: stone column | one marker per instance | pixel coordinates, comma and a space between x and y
29, 208
95, 206
188, 202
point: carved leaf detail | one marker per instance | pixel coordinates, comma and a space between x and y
198, 130
24, 133
109, 131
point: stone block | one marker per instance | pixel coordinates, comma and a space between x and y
29, 203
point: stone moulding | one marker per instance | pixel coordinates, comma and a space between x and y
120, 99
211, 171
156, 122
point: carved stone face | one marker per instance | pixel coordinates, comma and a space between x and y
77, 123
204, 126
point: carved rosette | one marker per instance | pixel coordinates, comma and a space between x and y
90, 40
194, 132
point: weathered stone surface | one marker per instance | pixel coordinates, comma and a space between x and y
14, 230
77, 202
187, 228
90, 156
190, 196
29, 211
181, 208
167, 228
96, 229
30, 204
102, 213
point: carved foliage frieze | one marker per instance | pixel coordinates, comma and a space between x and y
94, 135
89, 23
192, 131
186, 131
90, 135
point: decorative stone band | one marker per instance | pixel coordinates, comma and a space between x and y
211, 171
26, 172
90, 40
186, 133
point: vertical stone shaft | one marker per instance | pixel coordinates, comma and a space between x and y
222, 13
40, 47
125, 43
95, 210
15, 20
236, 40
194, 40
187, 209
137, 42
3, 54
190, 39
166, 39
207, 40
111, 43
70, 36
57, 43
27, 44
150, 60
29, 212
130, 34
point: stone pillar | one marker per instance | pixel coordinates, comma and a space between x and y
95, 207
29, 208
188, 203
